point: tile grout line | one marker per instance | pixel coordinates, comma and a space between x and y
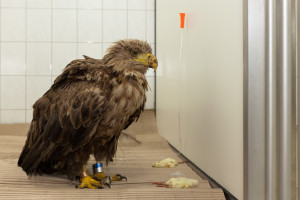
5, 109
146, 19
58, 42
111, 9
0, 64
102, 14
43, 75
77, 56
51, 43
25, 60
127, 18
155, 55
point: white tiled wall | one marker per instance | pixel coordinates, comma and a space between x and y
38, 38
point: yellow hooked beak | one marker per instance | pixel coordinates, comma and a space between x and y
148, 59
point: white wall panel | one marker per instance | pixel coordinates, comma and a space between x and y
201, 99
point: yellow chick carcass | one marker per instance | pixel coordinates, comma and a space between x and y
168, 162
182, 182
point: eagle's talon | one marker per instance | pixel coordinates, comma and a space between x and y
107, 181
88, 182
77, 178
118, 177
107, 184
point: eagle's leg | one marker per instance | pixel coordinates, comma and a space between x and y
87, 181
98, 172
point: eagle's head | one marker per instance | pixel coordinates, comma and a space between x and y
131, 54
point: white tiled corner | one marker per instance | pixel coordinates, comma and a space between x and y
28, 115
36, 88
137, 25
93, 50
136, 4
114, 4
12, 58
90, 25
89, 4
62, 55
150, 94
64, 3
13, 24
105, 47
12, 3
38, 25
150, 27
38, 59
12, 116
114, 25
38, 3
64, 28
150, 5
12, 92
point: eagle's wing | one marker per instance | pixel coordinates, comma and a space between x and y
65, 118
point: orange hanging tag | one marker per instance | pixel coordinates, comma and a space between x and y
182, 16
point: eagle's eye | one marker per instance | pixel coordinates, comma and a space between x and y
134, 53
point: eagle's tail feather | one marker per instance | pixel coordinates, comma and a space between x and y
27, 145
30, 158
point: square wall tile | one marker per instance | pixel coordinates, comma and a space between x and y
12, 3
64, 3
28, 116
13, 24
12, 58
137, 25
36, 86
114, 4
136, 4
12, 116
64, 28
39, 24
90, 25
114, 25
12, 92
38, 3
62, 55
150, 27
38, 59
89, 4
150, 5
150, 94
93, 50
